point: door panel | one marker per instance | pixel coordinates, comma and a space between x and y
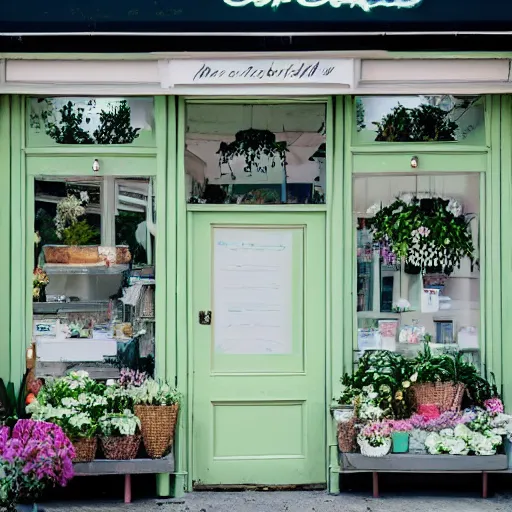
259, 386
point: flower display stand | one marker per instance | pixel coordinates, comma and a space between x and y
101, 467
413, 463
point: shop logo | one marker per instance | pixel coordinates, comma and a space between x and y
365, 5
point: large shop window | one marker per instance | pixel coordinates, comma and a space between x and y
255, 154
443, 118
417, 262
90, 121
94, 277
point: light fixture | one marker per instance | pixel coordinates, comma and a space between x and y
414, 162
96, 165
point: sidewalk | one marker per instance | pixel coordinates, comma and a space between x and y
296, 502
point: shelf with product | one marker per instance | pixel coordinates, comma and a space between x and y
94, 302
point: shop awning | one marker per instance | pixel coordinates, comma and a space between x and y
31, 17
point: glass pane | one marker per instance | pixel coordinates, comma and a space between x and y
94, 277
255, 154
420, 119
91, 121
417, 261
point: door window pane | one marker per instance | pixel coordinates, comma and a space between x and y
94, 275
255, 154
417, 261
443, 118
90, 121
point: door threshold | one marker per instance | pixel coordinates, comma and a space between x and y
258, 487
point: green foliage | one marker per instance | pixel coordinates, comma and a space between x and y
80, 233
426, 123
115, 127
360, 124
69, 130
447, 242
12, 407
253, 145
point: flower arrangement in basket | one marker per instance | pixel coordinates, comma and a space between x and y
34, 455
375, 439
75, 403
156, 405
119, 435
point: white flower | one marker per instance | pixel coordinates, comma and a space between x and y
407, 198
414, 377
111, 382
84, 196
447, 432
70, 402
373, 209
454, 207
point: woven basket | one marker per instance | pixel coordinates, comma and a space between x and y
157, 424
347, 436
446, 395
121, 448
85, 449
71, 254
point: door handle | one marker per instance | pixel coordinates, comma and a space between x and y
205, 317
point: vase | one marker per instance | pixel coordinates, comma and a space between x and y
342, 413
400, 442
157, 424
374, 451
121, 448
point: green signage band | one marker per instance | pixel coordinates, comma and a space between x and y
365, 5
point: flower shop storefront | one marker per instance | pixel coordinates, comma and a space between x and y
254, 269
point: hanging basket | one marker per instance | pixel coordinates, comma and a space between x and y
121, 448
85, 449
447, 396
374, 451
158, 423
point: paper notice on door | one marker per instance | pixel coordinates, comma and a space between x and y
252, 291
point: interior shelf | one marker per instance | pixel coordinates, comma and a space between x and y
53, 269
46, 308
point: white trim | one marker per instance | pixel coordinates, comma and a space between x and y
372, 75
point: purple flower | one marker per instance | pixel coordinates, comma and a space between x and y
128, 378
448, 419
33, 456
494, 406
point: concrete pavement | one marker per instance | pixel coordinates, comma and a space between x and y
298, 501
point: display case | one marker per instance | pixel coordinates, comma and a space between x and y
94, 278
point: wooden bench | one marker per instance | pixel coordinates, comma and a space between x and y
418, 463
127, 468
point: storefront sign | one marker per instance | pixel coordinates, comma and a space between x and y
249, 72
365, 5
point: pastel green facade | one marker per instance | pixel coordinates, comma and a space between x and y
177, 256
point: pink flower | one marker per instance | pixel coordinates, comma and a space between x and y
494, 406
423, 231
400, 425
429, 411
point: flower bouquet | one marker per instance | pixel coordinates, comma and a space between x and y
156, 405
40, 281
375, 439
33, 456
75, 403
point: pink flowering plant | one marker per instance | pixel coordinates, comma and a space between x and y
375, 434
400, 425
494, 406
33, 456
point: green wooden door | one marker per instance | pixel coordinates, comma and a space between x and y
259, 367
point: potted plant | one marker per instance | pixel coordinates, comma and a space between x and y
75, 403
12, 406
40, 281
375, 439
400, 430
34, 455
119, 435
156, 405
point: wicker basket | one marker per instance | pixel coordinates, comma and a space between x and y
347, 436
157, 425
446, 395
121, 448
71, 254
85, 449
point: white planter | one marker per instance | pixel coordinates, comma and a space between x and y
343, 413
374, 451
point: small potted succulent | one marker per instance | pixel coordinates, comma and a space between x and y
119, 435
156, 405
375, 439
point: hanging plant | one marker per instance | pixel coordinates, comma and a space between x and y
253, 145
430, 234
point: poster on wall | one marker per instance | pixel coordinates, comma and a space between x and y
252, 291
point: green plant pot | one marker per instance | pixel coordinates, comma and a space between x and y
400, 442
